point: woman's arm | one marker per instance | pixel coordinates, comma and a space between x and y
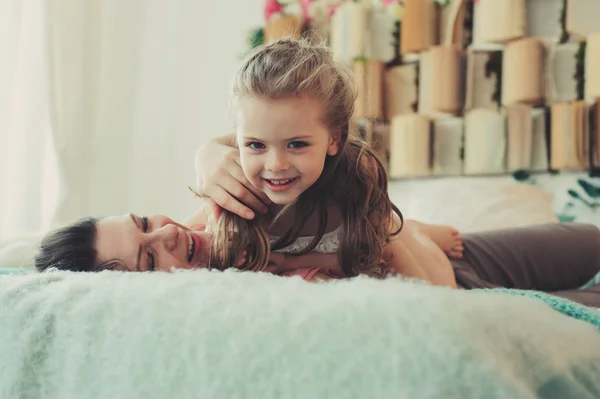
313, 267
327, 262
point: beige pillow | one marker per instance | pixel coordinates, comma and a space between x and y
474, 204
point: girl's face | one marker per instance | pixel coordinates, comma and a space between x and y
283, 144
151, 243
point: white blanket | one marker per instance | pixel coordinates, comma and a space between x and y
248, 335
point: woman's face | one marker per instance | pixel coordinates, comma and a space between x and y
151, 243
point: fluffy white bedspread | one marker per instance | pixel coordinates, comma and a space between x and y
208, 334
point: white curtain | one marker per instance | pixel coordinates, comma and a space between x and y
103, 102
27, 162
93, 63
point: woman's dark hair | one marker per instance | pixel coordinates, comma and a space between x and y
73, 247
70, 248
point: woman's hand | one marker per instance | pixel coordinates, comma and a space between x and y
221, 181
277, 263
281, 263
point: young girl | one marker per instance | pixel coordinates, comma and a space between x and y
292, 107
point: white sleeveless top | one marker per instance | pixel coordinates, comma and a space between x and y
330, 242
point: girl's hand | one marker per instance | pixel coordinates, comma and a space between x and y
221, 182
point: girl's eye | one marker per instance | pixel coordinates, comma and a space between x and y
297, 144
255, 145
145, 224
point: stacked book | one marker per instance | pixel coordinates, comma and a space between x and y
467, 86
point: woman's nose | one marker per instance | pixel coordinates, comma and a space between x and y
167, 235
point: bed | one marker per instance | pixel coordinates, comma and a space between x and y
201, 334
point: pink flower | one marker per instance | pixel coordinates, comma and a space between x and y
332, 7
305, 4
389, 2
272, 7
330, 10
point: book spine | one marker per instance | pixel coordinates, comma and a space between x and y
520, 137
447, 73
410, 146
400, 90
523, 76
283, 26
447, 146
592, 67
418, 30
502, 21
483, 80
368, 75
485, 142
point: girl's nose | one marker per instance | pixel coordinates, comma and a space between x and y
276, 162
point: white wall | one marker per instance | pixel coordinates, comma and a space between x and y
160, 81
125, 91
215, 36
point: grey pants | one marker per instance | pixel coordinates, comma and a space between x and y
554, 258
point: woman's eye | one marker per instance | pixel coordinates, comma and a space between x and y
255, 145
145, 224
298, 144
151, 264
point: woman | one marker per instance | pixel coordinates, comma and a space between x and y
558, 259
554, 258
157, 243
140, 244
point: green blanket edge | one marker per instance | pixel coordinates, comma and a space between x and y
565, 306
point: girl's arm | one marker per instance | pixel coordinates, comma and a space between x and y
409, 256
398, 254
221, 181
200, 217
401, 253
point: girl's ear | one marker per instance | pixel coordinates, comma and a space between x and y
334, 142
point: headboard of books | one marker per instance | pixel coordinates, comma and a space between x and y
463, 87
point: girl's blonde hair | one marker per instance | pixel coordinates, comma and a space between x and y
354, 178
